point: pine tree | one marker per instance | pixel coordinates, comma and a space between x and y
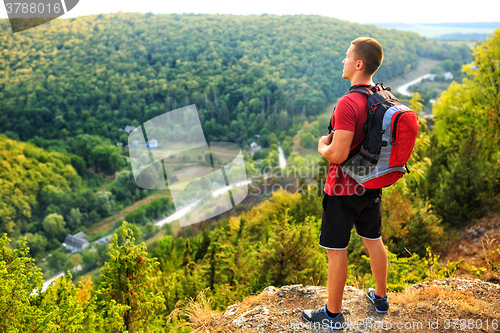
126, 280
18, 278
282, 260
25, 308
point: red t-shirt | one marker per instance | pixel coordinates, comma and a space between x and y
350, 115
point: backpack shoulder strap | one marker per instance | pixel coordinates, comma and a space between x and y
364, 89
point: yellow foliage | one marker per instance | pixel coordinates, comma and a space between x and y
85, 290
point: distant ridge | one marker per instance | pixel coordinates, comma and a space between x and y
447, 30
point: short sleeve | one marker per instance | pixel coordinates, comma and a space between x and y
345, 115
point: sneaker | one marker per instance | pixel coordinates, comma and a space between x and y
381, 304
320, 318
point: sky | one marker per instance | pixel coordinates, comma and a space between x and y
360, 11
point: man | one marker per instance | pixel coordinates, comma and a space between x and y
346, 203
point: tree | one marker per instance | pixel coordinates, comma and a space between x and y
79, 164
281, 259
37, 243
18, 278
57, 260
150, 230
464, 177
307, 140
90, 260
104, 203
127, 280
53, 224
74, 218
75, 260
83, 144
25, 308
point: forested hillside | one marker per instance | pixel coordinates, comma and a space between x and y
46, 195
246, 74
70, 86
30, 177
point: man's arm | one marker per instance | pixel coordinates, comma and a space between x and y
336, 146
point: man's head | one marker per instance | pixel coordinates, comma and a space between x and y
370, 52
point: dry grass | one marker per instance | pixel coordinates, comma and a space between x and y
479, 245
490, 256
447, 301
198, 312
201, 318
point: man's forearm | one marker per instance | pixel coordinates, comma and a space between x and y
331, 154
335, 147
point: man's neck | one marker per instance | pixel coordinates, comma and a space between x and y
367, 80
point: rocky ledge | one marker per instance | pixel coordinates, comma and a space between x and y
446, 305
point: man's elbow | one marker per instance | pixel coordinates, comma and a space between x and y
332, 155
338, 158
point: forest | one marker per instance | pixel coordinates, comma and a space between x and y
73, 86
69, 86
246, 74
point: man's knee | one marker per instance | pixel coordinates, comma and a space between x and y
375, 246
333, 254
378, 242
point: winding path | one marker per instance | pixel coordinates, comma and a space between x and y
403, 89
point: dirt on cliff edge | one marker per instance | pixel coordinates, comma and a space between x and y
446, 305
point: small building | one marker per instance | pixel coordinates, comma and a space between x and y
448, 76
129, 129
254, 147
76, 242
152, 143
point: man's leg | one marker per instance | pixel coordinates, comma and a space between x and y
378, 262
337, 276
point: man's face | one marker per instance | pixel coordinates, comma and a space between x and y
349, 64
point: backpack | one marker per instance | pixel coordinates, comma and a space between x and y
391, 130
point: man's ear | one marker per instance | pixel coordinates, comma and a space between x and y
360, 65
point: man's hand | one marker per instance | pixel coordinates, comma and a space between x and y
335, 147
325, 141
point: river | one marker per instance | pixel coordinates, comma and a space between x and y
281, 156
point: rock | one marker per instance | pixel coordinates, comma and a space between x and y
269, 290
231, 310
256, 317
279, 309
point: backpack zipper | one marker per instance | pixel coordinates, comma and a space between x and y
394, 127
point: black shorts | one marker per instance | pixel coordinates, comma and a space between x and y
340, 213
